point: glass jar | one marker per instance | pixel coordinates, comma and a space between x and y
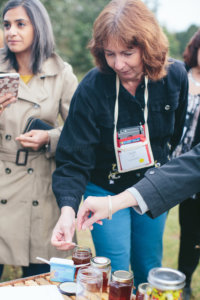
121, 285
143, 291
89, 284
104, 265
81, 256
166, 283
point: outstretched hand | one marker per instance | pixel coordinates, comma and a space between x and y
64, 230
93, 210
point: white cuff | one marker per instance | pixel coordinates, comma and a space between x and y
142, 208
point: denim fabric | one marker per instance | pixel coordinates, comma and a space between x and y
129, 238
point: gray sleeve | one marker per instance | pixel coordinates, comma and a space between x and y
164, 187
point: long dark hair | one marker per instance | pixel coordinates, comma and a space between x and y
43, 42
190, 53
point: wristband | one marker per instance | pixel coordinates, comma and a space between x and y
109, 207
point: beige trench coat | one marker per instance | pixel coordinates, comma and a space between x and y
28, 208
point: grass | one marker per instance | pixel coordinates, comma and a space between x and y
171, 244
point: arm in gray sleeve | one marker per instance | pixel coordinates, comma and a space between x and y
162, 188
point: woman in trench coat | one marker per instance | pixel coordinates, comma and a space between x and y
28, 209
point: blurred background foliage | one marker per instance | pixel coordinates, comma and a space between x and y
72, 22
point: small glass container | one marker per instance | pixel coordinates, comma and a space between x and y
121, 285
166, 283
89, 284
143, 291
104, 265
81, 256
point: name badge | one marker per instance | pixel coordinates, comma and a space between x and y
133, 149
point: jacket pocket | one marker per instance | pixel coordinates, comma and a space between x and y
161, 117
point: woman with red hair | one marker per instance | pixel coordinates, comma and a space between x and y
126, 115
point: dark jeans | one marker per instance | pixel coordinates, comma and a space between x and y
189, 251
32, 269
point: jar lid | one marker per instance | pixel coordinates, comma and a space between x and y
166, 279
100, 262
122, 276
68, 288
142, 287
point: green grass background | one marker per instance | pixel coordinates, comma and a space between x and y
171, 244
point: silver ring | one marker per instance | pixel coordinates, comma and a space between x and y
1, 107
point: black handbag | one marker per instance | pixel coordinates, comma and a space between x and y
34, 123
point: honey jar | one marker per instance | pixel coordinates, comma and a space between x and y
89, 284
81, 257
143, 291
104, 265
121, 285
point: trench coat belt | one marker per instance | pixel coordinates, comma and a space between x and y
11, 156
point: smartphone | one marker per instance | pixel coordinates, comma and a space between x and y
9, 83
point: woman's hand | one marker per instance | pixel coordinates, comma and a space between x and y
64, 230
6, 100
34, 139
94, 209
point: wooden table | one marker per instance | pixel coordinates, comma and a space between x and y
42, 279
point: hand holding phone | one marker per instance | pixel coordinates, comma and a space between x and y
9, 83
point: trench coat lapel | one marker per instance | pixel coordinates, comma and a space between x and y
37, 94
34, 95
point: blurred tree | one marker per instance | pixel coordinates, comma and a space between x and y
174, 45
79, 32
184, 37
72, 22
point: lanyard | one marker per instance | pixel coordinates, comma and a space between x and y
116, 113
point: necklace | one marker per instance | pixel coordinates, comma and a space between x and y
197, 83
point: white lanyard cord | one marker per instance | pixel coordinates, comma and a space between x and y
116, 113
115, 121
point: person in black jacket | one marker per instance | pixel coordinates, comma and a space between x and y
161, 189
135, 96
189, 211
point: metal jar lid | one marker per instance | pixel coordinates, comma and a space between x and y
122, 276
142, 287
100, 262
68, 288
166, 279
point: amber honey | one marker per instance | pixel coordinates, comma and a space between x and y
89, 284
81, 256
121, 285
104, 265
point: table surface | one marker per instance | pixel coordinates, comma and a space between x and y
42, 279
